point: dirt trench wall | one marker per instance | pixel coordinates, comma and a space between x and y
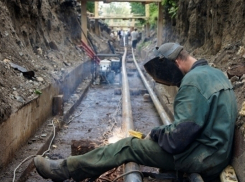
22, 124
214, 28
208, 25
40, 36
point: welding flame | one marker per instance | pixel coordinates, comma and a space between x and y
117, 135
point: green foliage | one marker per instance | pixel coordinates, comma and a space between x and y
137, 8
171, 6
115, 8
90, 6
153, 14
38, 92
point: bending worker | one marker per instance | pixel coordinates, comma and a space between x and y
198, 141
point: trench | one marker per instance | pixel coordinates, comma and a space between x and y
99, 119
93, 112
93, 116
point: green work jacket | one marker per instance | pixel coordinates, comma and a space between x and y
205, 111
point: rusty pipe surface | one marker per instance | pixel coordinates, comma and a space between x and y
128, 122
163, 115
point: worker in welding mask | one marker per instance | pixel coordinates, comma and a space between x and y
198, 141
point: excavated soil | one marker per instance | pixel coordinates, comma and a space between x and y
39, 46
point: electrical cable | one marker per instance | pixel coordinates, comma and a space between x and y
32, 156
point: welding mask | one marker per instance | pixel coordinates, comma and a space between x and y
162, 67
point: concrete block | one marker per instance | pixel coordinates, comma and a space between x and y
58, 105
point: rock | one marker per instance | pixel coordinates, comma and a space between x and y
6, 34
241, 51
15, 93
243, 77
212, 65
234, 79
44, 135
6, 61
19, 98
39, 79
147, 97
39, 51
236, 70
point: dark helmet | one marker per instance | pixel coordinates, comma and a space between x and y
162, 68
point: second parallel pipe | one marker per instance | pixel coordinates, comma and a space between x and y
128, 121
163, 115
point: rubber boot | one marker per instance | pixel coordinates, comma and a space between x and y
52, 169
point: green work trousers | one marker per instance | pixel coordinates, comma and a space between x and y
96, 162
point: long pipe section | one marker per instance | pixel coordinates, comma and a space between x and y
128, 122
163, 115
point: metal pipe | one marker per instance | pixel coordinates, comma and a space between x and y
163, 115
126, 104
128, 121
109, 55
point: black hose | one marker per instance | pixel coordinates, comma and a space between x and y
111, 47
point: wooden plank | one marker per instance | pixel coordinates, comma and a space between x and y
96, 9
96, 14
119, 17
58, 105
147, 10
147, 1
144, 1
124, 26
159, 24
147, 30
84, 20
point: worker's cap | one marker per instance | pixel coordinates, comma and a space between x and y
168, 50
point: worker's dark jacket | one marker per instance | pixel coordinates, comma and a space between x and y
205, 112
